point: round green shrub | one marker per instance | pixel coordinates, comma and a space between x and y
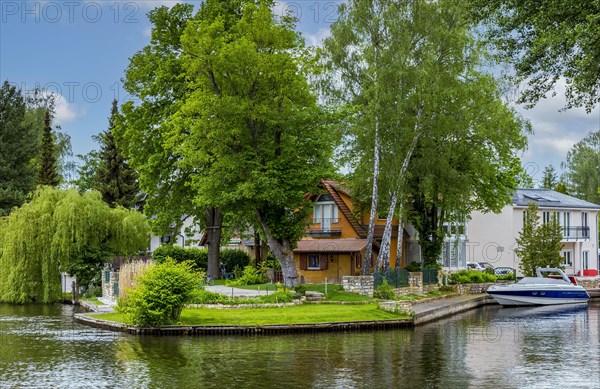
161, 293
385, 291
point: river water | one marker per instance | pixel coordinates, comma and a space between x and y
491, 347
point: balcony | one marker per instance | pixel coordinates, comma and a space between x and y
325, 228
576, 233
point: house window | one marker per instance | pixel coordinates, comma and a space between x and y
565, 222
568, 258
585, 259
546, 217
313, 262
325, 211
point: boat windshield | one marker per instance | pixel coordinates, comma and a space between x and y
541, 280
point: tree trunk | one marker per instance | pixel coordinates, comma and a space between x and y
383, 260
400, 249
257, 248
213, 230
282, 249
384, 255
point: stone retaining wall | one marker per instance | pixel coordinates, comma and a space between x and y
245, 306
588, 282
471, 288
358, 284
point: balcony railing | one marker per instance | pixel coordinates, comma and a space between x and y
325, 227
576, 233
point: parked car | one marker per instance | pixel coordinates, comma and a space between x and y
474, 266
486, 266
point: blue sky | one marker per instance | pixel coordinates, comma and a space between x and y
80, 49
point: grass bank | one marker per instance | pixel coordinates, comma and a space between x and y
334, 292
299, 314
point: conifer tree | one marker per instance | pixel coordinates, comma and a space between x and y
115, 180
48, 172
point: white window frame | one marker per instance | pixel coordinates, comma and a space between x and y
585, 260
313, 257
568, 258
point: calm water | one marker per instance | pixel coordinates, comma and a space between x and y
491, 347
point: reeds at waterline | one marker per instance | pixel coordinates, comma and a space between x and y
129, 273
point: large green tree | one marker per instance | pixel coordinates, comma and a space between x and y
547, 40
61, 230
17, 150
115, 179
246, 128
583, 168
448, 141
539, 245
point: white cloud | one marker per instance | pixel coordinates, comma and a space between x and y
148, 32
64, 110
556, 130
317, 38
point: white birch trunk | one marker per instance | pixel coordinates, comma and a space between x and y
373, 214
383, 260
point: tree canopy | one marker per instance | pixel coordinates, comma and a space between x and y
115, 180
61, 230
545, 41
583, 168
244, 132
449, 142
17, 151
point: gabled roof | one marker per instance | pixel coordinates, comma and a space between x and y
546, 198
332, 188
331, 246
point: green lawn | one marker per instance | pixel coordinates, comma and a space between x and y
334, 292
299, 314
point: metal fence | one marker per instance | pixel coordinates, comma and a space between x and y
395, 277
430, 276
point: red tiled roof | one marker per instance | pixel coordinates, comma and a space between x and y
331, 246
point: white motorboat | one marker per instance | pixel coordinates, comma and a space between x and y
540, 290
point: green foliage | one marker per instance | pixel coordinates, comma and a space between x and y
162, 292
48, 170
251, 276
385, 291
61, 230
539, 245
413, 267
550, 179
95, 291
547, 41
198, 257
471, 277
300, 289
115, 180
227, 118
17, 150
232, 258
583, 167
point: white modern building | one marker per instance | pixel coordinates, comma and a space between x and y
492, 237
188, 235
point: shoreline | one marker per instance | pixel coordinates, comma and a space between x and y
428, 312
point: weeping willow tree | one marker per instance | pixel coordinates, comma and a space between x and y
62, 230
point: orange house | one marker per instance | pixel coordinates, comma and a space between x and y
335, 242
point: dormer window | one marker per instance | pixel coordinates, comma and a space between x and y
325, 212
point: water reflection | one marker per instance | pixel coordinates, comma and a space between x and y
490, 347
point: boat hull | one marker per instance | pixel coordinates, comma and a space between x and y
517, 296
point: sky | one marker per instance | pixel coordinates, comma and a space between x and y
79, 50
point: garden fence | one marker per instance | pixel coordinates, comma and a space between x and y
395, 277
